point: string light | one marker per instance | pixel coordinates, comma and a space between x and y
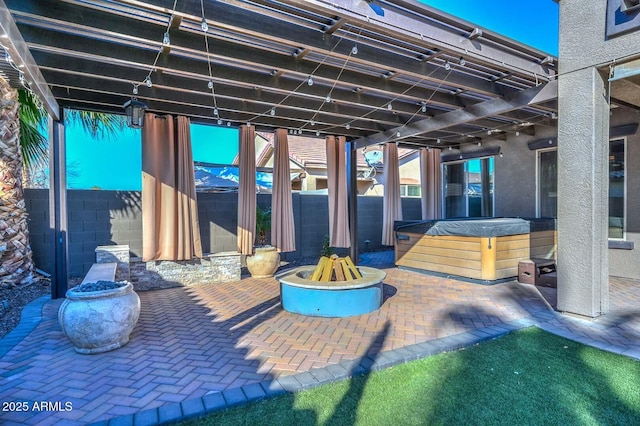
398, 134
204, 25
389, 106
354, 49
312, 122
424, 107
210, 84
215, 111
517, 132
328, 99
317, 133
463, 62
273, 111
310, 81
135, 89
219, 121
166, 40
147, 81
348, 126
438, 141
447, 65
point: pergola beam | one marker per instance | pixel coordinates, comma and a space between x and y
488, 108
16, 47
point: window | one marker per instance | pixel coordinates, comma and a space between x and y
410, 190
468, 188
548, 179
617, 188
547, 194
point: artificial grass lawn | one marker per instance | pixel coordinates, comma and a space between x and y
528, 377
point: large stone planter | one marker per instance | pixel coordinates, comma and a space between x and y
99, 321
264, 262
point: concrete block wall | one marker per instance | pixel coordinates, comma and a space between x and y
98, 218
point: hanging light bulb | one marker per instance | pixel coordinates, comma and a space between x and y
398, 134
389, 106
21, 78
248, 123
354, 49
228, 124
489, 131
215, 111
204, 25
447, 65
299, 131
328, 99
273, 111
438, 140
348, 126
317, 133
166, 40
479, 143
135, 89
312, 122
463, 62
210, 84
219, 121
147, 81
517, 132
310, 81
424, 107
450, 148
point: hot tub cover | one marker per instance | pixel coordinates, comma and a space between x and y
493, 227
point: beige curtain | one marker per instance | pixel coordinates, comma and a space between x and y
430, 183
283, 235
392, 204
170, 229
247, 190
337, 187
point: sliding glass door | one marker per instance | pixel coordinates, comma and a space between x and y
468, 188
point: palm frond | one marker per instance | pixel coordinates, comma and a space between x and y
32, 118
98, 124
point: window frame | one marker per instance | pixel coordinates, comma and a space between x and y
624, 189
538, 153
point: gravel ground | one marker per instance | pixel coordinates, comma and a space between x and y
13, 299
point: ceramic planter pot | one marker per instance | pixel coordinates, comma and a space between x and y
264, 262
99, 321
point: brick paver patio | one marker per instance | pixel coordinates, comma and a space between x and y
224, 342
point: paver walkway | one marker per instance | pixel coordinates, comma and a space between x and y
192, 343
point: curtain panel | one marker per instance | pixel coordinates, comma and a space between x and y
430, 183
337, 187
392, 203
247, 190
170, 229
283, 235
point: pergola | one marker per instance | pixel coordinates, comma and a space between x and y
374, 71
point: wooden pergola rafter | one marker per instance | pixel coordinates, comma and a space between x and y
91, 53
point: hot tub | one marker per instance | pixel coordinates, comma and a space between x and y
481, 249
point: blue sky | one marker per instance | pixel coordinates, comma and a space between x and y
91, 162
532, 22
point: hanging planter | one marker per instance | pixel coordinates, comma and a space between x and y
99, 317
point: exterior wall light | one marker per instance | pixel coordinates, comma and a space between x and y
134, 109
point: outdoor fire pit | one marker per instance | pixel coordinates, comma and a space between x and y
333, 288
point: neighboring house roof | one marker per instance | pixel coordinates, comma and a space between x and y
311, 152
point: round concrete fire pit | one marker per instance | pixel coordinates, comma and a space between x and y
334, 298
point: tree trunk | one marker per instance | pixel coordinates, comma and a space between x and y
16, 265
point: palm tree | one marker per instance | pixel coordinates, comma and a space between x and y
22, 144
16, 265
